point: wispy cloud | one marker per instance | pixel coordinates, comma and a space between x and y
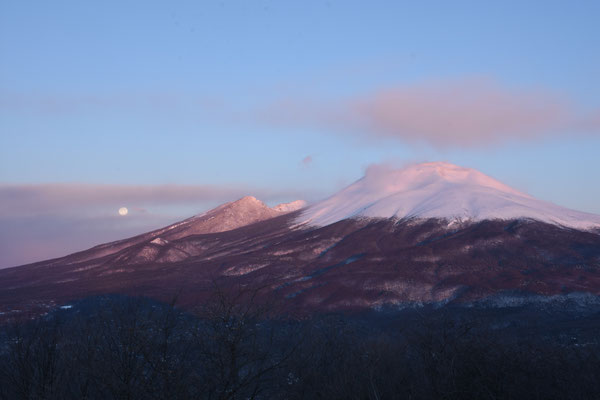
474, 112
306, 161
463, 113
53, 198
63, 103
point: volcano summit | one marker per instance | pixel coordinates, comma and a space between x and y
439, 190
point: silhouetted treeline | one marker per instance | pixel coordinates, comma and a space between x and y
232, 348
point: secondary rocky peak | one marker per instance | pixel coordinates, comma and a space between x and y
228, 216
232, 215
249, 203
248, 200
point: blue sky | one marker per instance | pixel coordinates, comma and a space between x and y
236, 94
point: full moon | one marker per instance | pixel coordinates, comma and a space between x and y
123, 211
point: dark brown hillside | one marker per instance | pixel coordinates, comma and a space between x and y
352, 264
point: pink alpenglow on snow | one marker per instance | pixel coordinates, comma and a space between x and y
438, 190
290, 207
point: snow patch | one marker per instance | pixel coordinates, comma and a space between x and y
243, 270
159, 241
289, 207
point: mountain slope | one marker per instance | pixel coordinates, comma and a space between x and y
351, 264
438, 190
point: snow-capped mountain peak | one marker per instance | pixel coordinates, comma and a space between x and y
438, 190
388, 181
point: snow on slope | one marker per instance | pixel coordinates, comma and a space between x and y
438, 190
289, 207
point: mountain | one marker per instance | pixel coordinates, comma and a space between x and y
428, 233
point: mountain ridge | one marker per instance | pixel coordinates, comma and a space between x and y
356, 262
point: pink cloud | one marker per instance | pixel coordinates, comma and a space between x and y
591, 122
53, 198
306, 161
464, 113
467, 114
